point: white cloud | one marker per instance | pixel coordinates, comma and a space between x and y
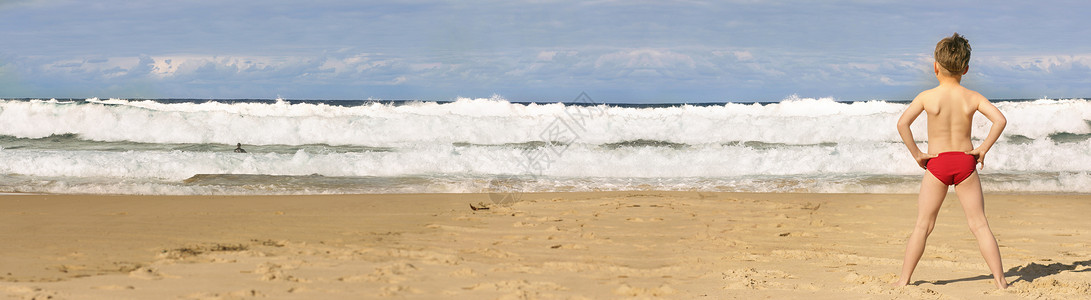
425, 66
1039, 64
743, 55
645, 63
546, 55
646, 59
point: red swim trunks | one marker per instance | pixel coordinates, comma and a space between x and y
952, 167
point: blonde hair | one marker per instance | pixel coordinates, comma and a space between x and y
953, 54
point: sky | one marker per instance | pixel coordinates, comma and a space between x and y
546, 51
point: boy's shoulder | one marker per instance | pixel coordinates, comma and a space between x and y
927, 96
956, 93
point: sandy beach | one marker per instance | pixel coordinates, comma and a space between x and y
601, 245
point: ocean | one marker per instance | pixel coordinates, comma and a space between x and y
184, 146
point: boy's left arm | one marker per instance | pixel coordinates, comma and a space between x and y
999, 122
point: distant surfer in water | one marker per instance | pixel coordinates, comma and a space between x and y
238, 148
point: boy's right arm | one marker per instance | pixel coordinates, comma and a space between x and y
915, 108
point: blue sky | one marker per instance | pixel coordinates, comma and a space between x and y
616, 51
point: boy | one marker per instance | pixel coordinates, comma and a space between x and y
951, 157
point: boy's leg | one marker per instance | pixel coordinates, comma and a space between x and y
928, 202
973, 203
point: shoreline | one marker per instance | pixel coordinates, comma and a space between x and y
548, 245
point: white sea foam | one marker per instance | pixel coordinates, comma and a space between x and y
577, 161
733, 164
495, 121
799, 144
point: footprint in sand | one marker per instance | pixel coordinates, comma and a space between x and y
26, 292
240, 294
516, 286
796, 234
753, 279
424, 256
630, 291
488, 252
548, 219
396, 290
880, 285
465, 272
149, 273
568, 246
1050, 288
276, 272
113, 287
392, 273
524, 224
703, 235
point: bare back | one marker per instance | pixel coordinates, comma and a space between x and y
950, 110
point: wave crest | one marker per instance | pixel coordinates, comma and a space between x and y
498, 121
